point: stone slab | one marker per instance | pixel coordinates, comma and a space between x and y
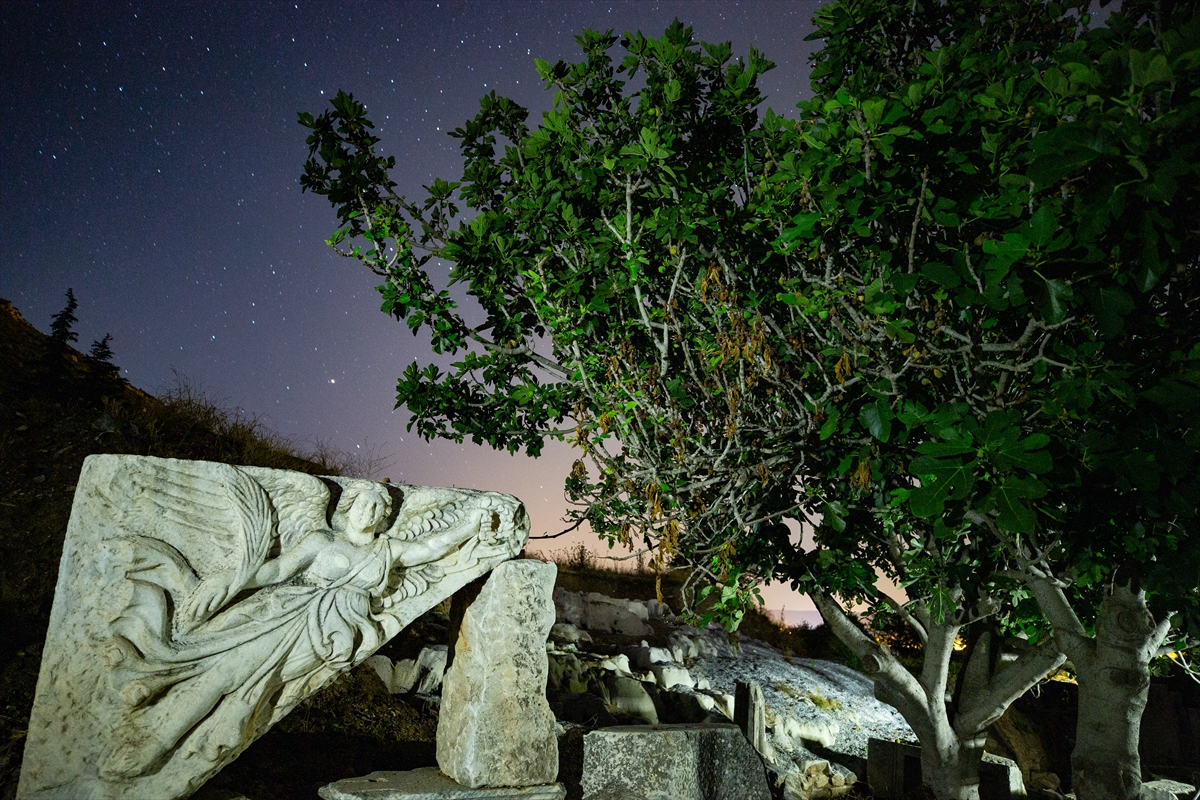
428, 783
495, 727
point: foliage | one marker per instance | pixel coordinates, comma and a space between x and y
62, 324
918, 318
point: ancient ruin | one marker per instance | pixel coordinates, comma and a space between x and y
198, 603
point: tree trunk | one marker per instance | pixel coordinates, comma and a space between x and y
951, 772
1114, 682
950, 749
1113, 670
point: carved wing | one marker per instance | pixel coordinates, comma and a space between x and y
301, 501
217, 517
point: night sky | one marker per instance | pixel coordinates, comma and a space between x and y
151, 155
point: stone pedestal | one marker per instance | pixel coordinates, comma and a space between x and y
429, 784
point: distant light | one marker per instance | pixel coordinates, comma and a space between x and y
331, 380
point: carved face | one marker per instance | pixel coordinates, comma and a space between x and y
366, 515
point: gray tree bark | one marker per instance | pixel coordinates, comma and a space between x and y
1113, 670
951, 738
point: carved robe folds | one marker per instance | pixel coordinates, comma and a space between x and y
198, 603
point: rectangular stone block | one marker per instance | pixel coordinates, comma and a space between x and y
429, 783
667, 762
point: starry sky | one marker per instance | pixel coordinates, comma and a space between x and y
150, 157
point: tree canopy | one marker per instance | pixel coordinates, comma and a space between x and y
945, 317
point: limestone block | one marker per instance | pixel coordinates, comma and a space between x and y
683, 647
431, 667
805, 776
198, 603
495, 727
566, 632
618, 664
429, 784
604, 615
1164, 789
569, 607
682, 705
790, 733
667, 676
658, 610
422, 674
627, 696
725, 703
634, 607
750, 714
566, 673
670, 762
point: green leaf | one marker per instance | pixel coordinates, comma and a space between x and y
1110, 305
1009, 500
941, 604
873, 111
831, 423
1042, 227
942, 274
877, 418
941, 480
1054, 304
834, 515
803, 225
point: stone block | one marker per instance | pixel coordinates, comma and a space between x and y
422, 675
495, 727
611, 617
628, 696
750, 714
566, 632
429, 783
670, 762
667, 675
569, 607
790, 733
1164, 789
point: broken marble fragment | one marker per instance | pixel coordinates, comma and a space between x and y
495, 727
197, 603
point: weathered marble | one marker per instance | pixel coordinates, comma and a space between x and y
750, 714
495, 727
198, 603
429, 784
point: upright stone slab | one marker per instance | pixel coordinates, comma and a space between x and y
750, 714
198, 603
495, 727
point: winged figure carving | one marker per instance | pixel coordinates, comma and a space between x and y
248, 589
